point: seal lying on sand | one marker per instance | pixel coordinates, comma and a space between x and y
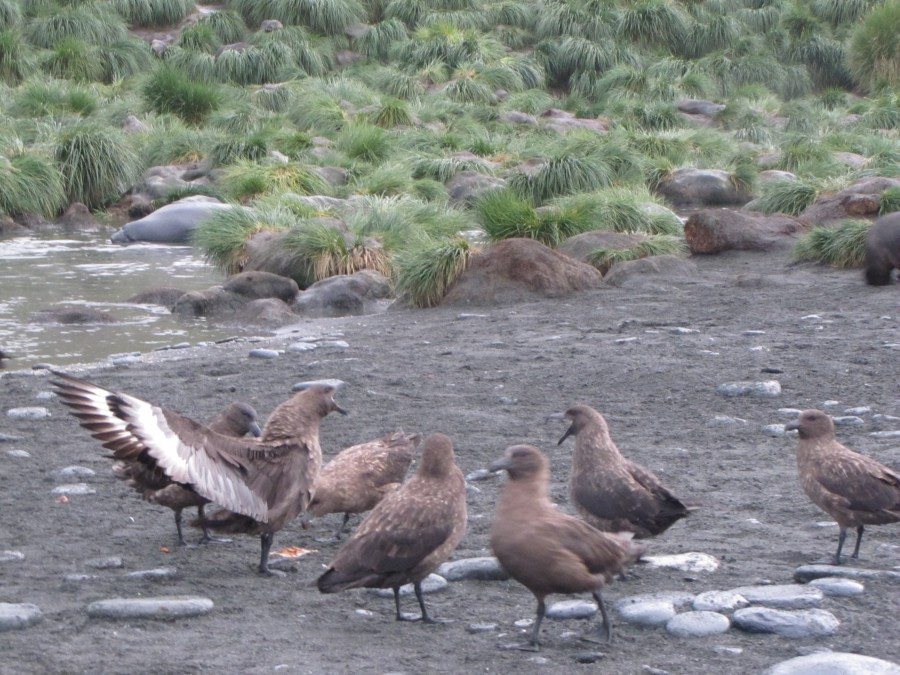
853, 489
262, 484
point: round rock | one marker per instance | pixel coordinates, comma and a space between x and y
163, 607
685, 562
264, 354
18, 454
75, 472
790, 596
834, 663
11, 556
719, 601
838, 587
18, 615
154, 574
73, 489
431, 584
806, 573
698, 624
571, 609
765, 389
28, 413
479, 569
802, 623
650, 613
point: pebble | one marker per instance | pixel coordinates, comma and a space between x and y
830, 403
9, 438
681, 330
364, 612
153, 574
806, 573
774, 429
481, 474
18, 454
28, 413
10, 556
469, 315
765, 389
431, 584
75, 472
754, 332
124, 360
111, 563
875, 418
476, 628
790, 412
723, 420
685, 562
308, 383
571, 609
588, 657
18, 615
334, 344
848, 421
45, 396
730, 651
164, 607
264, 354
790, 596
79, 578
719, 601
477, 569
301, 347
650, 613
837, 587
698, 624
523, 623
676, 598
73, 489
791, 624
885, 434
861, 410
834, 663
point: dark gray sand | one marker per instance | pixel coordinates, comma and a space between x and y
488, 378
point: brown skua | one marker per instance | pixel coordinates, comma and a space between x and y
408, 534
236, 419
549, 551
261, 484
359, 477
609, 491
853, 489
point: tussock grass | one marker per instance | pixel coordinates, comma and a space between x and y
326, 251
786, 196
10, 15
889, 201
842, 246
227, 24
365, 142
92, 22
153, 13
30, 183
561, 175
16, 62
622, 210
222, 237
97, 163
874, 50
327, 17
168, 90
73, 59
658, 244
425, 272
246, 179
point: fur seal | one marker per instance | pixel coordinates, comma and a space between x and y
883, 249
261, 485
853, 489
610, 492
236, 420
408, 534
546, 550
359, 477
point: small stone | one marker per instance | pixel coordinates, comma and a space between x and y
571, 609
790, 412
875, 418
622, 341
765, 389
848, 421
834, 663
45, 395
729, 651
681, 330
727, 420
431, 584
75, 472
698, 624
469, 315
9, 438
111, 563
11, 556
164, 607
124, 360
861, 410
676, 598
774, 429
334, 344
650, 670
18, 615
588, 657
802, 623
476, 628
790, 596
523, 623
478, 569
838, 587
719, 601
651, 613
753, 332
309, 383
364, 612
301, 347
79, 578
154, 574
685, 562
264, 354
481, 474
18, 454
28, 413
885, 434
830, 403
73, 489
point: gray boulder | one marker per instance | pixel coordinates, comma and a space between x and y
717, 230
255, 285
654, 270
702, 187
860, 200
343, 295
467, 186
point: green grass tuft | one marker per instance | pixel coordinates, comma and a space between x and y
561, 175
657, 244
427, 271
168, 90
889, 201
30, 183
786, 196
874, 50
245, 179
153, 13
16, 61
326, 251
842, 246
92, 22
222, 237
